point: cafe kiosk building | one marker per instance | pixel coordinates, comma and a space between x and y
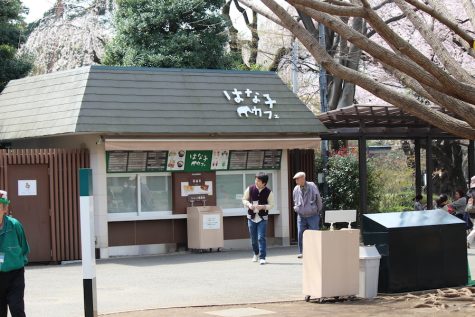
157, 141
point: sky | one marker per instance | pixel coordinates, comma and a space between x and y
37, 8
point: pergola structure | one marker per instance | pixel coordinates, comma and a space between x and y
376, 122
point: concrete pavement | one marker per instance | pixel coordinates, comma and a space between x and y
175, 280
173, 283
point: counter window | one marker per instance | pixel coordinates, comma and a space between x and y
123, 192
231, 185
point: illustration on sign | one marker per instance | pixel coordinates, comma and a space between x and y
256, 109
220, 160
187, 189
176, 160
27, 187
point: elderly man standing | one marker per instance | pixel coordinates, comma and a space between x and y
307, 205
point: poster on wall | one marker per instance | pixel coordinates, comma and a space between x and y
220, 160
27, 187
203, 189
198, 161
176, 160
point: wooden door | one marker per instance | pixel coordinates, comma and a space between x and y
28, 191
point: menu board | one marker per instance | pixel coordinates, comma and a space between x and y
156, 161
137, 161
272, 159
191, 161
255, 160
117, 162
237, 160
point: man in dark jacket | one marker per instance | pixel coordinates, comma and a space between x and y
258, 199
307, 205
13, 257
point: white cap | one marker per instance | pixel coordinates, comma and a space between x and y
299, 174
3, 194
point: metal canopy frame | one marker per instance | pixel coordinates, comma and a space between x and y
369, 122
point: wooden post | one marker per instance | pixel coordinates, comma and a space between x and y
471, 160
417, 163
363, 175
429, 170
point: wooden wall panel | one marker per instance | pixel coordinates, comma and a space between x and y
64, 193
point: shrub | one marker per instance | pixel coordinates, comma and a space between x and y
343, 182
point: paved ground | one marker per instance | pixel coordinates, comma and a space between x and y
205, 284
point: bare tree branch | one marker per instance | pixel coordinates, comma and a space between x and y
262, 11
406, 103
447, 60
388, 21
456, 88
467, 46
352, 11
382, 4
442, 19
470, 10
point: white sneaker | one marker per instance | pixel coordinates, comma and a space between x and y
262, 261
255, 258
300, 256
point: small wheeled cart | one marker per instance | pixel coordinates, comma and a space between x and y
205, 228
330, 264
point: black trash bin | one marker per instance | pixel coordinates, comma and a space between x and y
420, 249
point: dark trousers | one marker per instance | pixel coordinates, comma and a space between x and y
12, 290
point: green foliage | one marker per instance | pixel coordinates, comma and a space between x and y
12, 30
343, 182
396, 182
169, 33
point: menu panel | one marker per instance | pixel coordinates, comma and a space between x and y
272, 159
255, 160
237, 160
137, 161
156, 161
117, 161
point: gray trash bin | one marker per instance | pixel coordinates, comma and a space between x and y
369, 271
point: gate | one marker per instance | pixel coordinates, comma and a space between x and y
42, 185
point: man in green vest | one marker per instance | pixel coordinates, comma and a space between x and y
13, 257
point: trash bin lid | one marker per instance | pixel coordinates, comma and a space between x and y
408, 219
369, 252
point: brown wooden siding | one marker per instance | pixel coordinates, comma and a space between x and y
299, 161
63, 165
172, 231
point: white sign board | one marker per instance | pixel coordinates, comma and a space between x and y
332, 216
211, 222
27, 187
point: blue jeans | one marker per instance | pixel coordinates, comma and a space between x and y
257, 231
304, 223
